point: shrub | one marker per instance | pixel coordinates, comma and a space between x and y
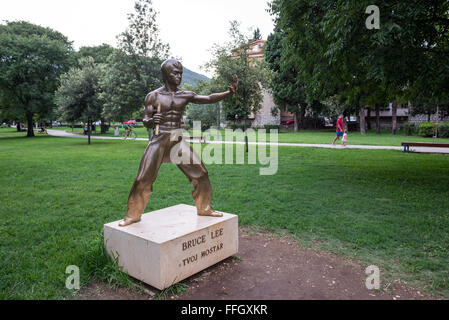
443, 130
409, 129
272, 126
207, 114
426, 129
235, 126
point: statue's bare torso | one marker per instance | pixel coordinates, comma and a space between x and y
172, 106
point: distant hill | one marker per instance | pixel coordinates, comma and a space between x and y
192, 77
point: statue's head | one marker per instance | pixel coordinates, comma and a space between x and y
172, 71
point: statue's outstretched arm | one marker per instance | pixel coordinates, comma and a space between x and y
215, 97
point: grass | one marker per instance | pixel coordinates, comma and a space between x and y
312, 136
381, 207
171, 291
354, 138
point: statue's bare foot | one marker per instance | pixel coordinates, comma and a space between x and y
210, 213
128, 221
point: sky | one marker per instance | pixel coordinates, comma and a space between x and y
190, 27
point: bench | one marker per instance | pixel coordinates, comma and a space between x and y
407, 145
201, 139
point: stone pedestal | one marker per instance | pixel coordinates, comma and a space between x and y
171, 244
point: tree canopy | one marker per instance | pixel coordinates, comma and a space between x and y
206, 113
257, 35
288, 94
118, 79
78, 94
100, 53
134, 70
333, 52
231, 59
32, 58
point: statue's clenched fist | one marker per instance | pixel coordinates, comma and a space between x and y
235, 84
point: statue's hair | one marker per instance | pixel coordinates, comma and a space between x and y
167, 65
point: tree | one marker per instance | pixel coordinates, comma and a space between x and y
31, 60
78, 96
206, 113
134, 70
335, 53
100, 53
257, 35
233, 59
288, 94
123, 91
305, 74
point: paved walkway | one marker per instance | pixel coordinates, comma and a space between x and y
61, 133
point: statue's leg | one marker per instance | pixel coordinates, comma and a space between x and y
143, 185
199, 178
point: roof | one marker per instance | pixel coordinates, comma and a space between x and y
256, 48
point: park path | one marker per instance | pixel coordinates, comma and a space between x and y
61, 133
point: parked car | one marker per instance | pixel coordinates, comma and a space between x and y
288, 123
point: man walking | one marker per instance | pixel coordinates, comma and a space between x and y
340, 129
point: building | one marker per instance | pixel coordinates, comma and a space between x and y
264, 115
403, 116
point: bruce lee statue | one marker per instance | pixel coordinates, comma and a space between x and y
163, 111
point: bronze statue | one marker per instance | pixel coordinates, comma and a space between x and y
163, 111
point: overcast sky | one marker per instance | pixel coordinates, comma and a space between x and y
191, 27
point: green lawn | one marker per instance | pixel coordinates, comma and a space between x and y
314, 136
354, 138
381, 207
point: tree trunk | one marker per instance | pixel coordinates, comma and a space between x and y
437, 119
30, 131
410, 111
368, 118
246, 136
361, 110
302, 115
244, 126
103, 126
362, 121
377, 118
218, 123
89, 130
18, 126
296, 117
394, 117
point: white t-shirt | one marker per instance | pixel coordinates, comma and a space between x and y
345, 137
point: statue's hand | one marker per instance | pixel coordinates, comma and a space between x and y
148, 123
158, 118
235, 84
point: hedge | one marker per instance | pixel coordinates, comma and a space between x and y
426, 129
